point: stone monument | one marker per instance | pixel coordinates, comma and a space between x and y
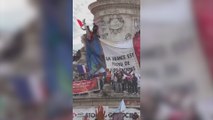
117, 19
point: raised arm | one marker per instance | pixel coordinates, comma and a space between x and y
88, 32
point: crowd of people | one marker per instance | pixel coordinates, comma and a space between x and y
122, 80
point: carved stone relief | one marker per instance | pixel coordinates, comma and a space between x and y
102, 26
137, 24
128, 36
104, 36
111, 11
116, 23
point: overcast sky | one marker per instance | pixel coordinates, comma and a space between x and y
14, 14
80, 11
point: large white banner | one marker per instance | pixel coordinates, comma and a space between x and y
120, 55
78, 114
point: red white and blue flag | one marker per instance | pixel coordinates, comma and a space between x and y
82, 69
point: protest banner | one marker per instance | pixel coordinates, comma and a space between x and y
78, 114
120, 55
85, 86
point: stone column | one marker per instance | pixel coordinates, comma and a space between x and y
117, 19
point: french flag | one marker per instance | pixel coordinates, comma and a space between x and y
29, 89
80, 23
82, 69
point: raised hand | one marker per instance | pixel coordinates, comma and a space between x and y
100, 113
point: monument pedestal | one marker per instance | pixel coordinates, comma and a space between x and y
118, 20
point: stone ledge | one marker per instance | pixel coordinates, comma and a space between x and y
100, 5
111, 102
112, 95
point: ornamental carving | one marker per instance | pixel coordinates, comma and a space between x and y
104, 36
102, 26
128, 36
137, 24
116, 23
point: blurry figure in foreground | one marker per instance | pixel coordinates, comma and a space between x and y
177, 43
57, 51
22, 91
135, 116
25, 41
21, 74
86, 117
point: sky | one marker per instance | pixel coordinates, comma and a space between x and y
12, 17
80, 11
14, 14
174, 11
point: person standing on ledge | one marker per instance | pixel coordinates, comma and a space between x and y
94, 52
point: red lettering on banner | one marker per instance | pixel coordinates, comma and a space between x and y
85, 86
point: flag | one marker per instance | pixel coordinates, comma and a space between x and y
37, 88
204, 19
30, 89
94, 55
101, 70
80, 23
121, 108
118, 114
57, 48
22, 89
81, 69
136, 43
